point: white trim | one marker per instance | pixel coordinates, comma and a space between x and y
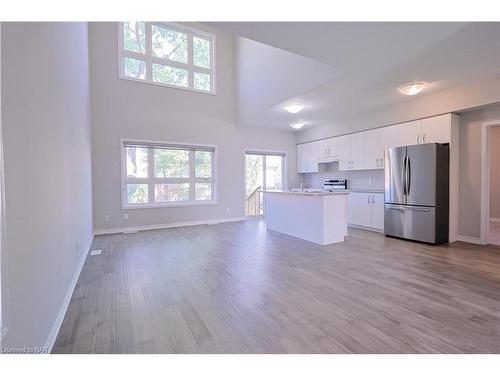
485, 178
495, 219
151, 180
3, 255
474, 240
138, 228
51, 339
149, 59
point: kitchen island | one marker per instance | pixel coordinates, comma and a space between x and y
319, 217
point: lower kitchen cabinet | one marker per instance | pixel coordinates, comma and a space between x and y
366, 210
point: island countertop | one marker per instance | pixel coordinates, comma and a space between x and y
309, 193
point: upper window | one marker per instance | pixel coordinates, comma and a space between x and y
156, 174
167, 54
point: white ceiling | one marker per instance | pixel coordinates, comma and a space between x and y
349, 68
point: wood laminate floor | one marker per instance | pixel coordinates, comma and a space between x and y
237, 288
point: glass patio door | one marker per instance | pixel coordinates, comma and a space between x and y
263, 171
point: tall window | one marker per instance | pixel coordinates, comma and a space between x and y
157, 174
167, 54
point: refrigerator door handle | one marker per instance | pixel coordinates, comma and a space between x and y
404, 175
408, 168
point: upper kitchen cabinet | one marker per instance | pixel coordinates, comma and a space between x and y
436, 129
375, 143
351, 152
409, 133
328, 150
307, 157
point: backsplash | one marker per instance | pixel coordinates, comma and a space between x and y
369, 179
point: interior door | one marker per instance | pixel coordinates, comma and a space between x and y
394, 175
421, 165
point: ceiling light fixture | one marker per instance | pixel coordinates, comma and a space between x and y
297, 125
294, 108
412, 88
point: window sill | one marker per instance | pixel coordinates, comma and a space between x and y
168, 205
148, 82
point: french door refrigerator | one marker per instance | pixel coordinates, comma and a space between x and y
416, 182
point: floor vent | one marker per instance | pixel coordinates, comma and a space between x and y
96, 252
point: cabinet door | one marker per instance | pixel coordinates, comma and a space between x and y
311, 157
372, 149
362, 209
357, 151
388, 138
301, 158
344, 145
322, 148
351, 208
377, 200
436, 129
333, 147
409, 133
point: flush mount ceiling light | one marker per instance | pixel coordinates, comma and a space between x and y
294, 108
412, 88
297, 125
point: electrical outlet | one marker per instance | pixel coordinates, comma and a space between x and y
369, 181
227, 209
125, 216
106, 218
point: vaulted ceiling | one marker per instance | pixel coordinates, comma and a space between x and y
339, 69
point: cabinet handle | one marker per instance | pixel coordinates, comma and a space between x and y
373, 199
368, 198
423, 138
418, 139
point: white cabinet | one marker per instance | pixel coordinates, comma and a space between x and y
410, 133
377, 202
366, 210
328, 149
375, 143
357, 151
436, 129
344, 144
430, 130
307, 157
351, 152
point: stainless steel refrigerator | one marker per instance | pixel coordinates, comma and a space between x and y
417, 192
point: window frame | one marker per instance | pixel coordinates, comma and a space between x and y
151, 180
149, 59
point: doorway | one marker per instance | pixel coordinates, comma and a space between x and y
264, 170
490, 182
494, 199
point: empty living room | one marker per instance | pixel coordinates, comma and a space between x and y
262, 187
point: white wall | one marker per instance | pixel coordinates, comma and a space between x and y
46, 134
125, 109
495, 173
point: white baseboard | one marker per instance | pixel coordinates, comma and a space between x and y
474, 240
49, 343
495, 219
166, 225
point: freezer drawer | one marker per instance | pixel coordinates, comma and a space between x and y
410, 222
